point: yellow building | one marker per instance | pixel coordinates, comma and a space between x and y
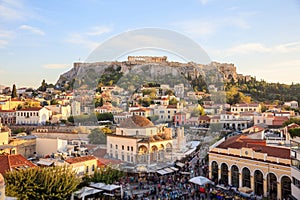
83, 165
244, 162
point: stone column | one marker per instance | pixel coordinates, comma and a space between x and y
265, 183
240, 180
229, 178
279, 190
252, 182
219, 173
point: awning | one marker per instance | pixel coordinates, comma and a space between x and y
110, 187
162, 172
174, 168
180, 164
168, 170
185, 173
85, 191
44, 162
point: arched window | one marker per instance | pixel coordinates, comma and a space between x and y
285, 187
258, 183
235, 176
272, 185
224, 174
214, 171
246, 178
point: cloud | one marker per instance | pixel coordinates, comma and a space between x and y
55, 66
99, 30
204, 2
84, 38
76, 38
11, 10
249, 48
209, 27
5, 37
197, 27
32, 29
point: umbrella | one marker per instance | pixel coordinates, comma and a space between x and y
200, 180
245, 189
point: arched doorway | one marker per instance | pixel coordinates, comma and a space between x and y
224, 174
285, 187
258, 183
246, 178
235, 176
214, 171
154, 153
272, 185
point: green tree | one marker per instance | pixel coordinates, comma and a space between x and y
14, 92
107, 175
173, 101
105, 116
43, 86
54, 102
97, 136
71, 119
41, 183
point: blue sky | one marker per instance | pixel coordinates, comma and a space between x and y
41, 39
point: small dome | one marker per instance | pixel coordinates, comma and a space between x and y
2, 182
136, 121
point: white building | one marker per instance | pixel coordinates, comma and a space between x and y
33, 116
137, 140
238, 108
75, 108
292, 104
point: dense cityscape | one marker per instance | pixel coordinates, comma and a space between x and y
133, 137
160, 100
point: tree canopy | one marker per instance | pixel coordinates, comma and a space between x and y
53, 183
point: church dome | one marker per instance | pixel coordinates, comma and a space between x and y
136, 121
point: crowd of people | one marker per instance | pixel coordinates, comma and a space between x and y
148, 186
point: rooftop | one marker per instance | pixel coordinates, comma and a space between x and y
11, 162
79, 159
136, 121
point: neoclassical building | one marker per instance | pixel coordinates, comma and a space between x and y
242, 161
138, 141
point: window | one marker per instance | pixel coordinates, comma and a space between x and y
128, 158
116, 146
87, 169
111, 146
123, 157
122, 147
127, 148
131, 148
93, 168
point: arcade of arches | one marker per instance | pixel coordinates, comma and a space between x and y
262, 181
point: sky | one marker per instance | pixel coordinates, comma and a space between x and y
42, 39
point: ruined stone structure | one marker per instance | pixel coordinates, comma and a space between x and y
154, 59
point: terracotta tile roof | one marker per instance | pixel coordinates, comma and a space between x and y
99, 153
100, 164
11, 162
204, 117
136, 121
10, 111
258, 145
172, 106
79, 159
31, 109
109, 161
